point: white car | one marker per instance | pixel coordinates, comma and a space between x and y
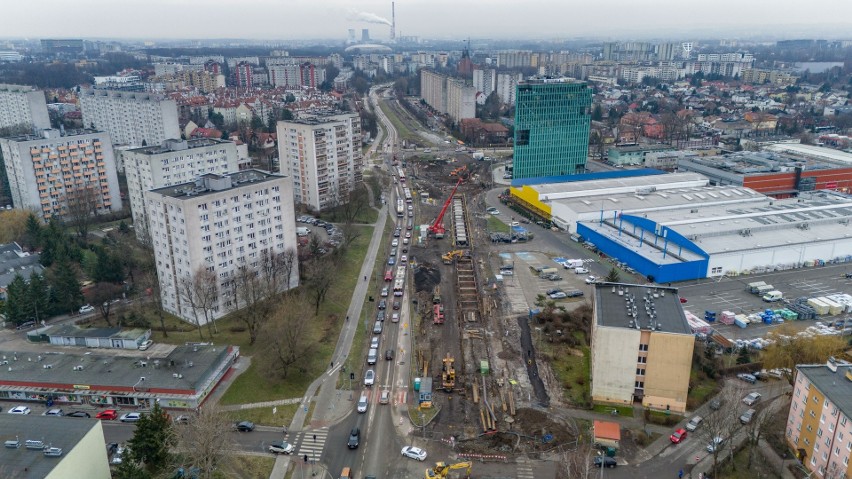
362, 403
581, 271
385, 292
369, 377
395, 243
715, 443
19, 410
751, 399
145, 345
116, 458
414, 453
374, 343
130, 417
87, 309
591, 280
694, 423
558, 295
281, 447
493, 211
53, 412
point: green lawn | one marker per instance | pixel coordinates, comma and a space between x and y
572, 369
607, 409
701, 389
401, 129
263, 415
497, 226
250, 467
254, 386
367, 215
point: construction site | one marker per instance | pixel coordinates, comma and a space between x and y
473, 375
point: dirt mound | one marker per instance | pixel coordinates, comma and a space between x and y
426, 277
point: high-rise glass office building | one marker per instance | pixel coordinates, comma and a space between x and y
552, 119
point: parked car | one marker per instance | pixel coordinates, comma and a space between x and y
581, 271
715, 404
117, 457
746, 417
244, 426
715, 443
605, 461
751, 399
575, 293
369, 377
749, 378
53, 412
552, 291
591, 279
107, 414
130, 417
281, 447
414, 453
145, 345
694, 423
111, 448
78, 414
678, 436
557, 295
354, 438
87, 309
19, 410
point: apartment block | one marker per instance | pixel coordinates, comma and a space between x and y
552, 121
819, 423
52, 171
323, 156
204, 231
131, 118
23, 105
450, 96
507, 84
485, 80
641, 347
172, 163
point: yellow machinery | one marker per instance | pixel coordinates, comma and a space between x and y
441, 470
450, 256
448, 374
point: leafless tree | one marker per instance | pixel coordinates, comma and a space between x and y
579, 462
200, 291
355, 202
320, 274
255, 287
283, 342
101, 297
759, 424
82, 204
721, 422
204, 441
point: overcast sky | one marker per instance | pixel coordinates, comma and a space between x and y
293, 19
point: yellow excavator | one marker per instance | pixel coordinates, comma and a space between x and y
450, 256
441, 470
448, 374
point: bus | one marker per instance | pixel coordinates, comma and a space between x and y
401, 174
398, 286
400, 208
400, 272
407, 193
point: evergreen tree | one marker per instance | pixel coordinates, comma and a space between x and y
743, 357
16, 300
109, 268
33, 234
613, 276
597, 113
38, 298
129, 469
152, 440
65, 287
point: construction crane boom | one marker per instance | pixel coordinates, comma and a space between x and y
437, 229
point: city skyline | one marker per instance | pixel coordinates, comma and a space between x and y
301, 19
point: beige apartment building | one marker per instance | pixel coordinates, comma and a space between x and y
641, 347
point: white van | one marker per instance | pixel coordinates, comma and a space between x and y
581, 271
302, 231
372, 356
773, 296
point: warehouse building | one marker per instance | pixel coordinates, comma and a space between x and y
701, 238
641, 347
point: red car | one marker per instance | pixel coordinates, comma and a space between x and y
682, 300
109, 414
678, 436
389, 275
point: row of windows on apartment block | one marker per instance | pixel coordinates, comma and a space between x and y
827, 442
187, 160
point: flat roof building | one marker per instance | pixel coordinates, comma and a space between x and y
131, 118
62, 173
23, 106
15, 261
552, 121
204, 231
173, 162
75, 448
323, 157
641, 347
819, 423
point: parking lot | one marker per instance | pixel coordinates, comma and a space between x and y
526, 281
729, 294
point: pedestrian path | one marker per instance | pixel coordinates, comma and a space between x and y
525, 470
311, 443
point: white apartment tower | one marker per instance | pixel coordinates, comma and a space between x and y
323, 156
172, 163
49, 171
213, 226
23, 105
131, 118
461, 100
506, 83
485, 80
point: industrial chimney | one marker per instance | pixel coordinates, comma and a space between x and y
393, 22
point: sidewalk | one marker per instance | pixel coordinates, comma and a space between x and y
331, 404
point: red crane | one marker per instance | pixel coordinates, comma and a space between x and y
437, 229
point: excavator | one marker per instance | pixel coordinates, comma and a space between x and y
451, 255
448, 374
442, 470
458, 171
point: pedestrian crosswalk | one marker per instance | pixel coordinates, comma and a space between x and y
525, 471
311, 443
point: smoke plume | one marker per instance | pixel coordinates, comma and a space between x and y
368, 17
